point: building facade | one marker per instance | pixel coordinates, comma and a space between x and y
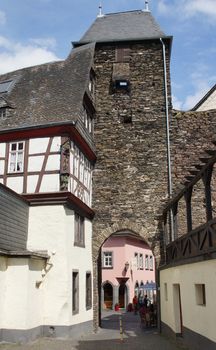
47, 156
84, 143
128, 268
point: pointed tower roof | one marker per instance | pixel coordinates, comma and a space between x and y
123, 26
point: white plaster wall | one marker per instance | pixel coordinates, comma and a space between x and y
56, 144
210, 103
198, 318
3, 269
52, 228
53, 162
35, 163
15, 183
38, 145
21, 306
32, 181
2, 149
2, 163
50, 183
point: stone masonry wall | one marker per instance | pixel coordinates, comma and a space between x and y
130, 177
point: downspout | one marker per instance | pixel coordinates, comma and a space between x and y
168, 139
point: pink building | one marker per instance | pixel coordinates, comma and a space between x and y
128, 267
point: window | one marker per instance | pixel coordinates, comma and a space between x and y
79, 237
151, 262
141, 261
87, 119
136, 258
123, 54
16, 157
3, 113
108, 259
200, 294
75, 292
165, 292
88, 290
5, 85
146, 262
91, 85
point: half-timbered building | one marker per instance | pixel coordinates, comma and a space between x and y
47, 156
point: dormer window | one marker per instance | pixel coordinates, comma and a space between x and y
3, 113
87, 119
16, 157
91, 85
5, 86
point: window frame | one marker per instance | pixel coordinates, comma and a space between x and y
200, 293
75, 292
141, 263
88, 290
146, 262
15, 153
151, 263
79, 230
104, 264
3, 113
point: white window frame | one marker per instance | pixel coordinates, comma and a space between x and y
16, 157
141, 261
146, 262
108, 259
151, 265
136, 257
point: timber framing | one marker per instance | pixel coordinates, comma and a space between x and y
55, 198
50, 130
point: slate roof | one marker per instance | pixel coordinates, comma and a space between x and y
122, 26
48, 93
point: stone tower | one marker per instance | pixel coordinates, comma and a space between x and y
130, 177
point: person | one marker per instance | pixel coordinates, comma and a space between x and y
146, 301
140, 300
135, 304
142, 313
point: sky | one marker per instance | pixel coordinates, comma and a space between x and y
38, 31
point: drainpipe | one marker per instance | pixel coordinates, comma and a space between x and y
168, 139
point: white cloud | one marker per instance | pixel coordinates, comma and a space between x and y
163, 7
177, 104
14, 56
206, 7
2, 17
188, 8
44, 42
201, 88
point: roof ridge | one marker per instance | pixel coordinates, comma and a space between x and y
123, 12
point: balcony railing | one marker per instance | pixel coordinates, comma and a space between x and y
199, 242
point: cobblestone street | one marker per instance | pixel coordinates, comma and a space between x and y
108, 338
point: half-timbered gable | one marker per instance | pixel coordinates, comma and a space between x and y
46, 145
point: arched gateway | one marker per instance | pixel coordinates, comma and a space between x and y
106, 290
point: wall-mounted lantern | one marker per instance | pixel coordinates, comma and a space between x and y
126, 266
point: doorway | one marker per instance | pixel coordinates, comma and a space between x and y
122, 295
177, 309
108, 295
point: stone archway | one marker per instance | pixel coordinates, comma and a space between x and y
98, 240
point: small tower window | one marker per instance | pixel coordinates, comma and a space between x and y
122, 85
3, 113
